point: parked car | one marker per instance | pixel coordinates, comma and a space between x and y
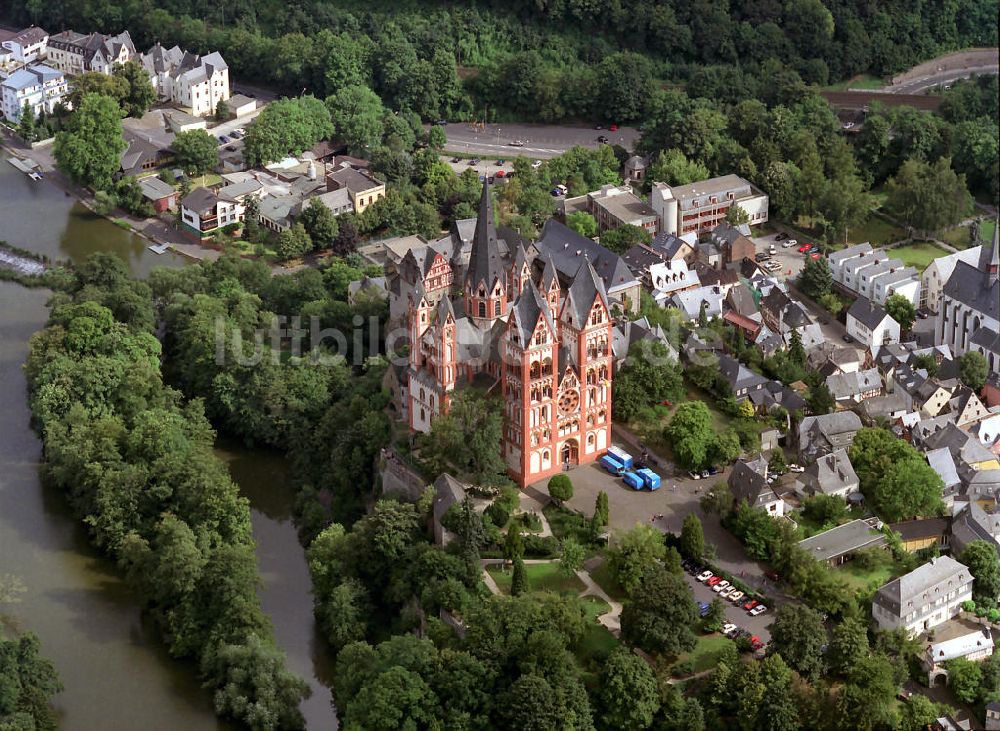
725, 593
781, 236
714, 580
713, 470
805, 248
750, 604
847, 338
755, 643
694, 475
501, 162
758, 610
788, 244
236, 134
536, 164
762, 256
223, 139
705, 474
815, 255
474, 161
703, 609
613, 128
704, 576
720, 586
796, 468
456, 159
735, 596
501, 174
729, 628
922, 314
516, 143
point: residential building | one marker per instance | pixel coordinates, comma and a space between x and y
708, 255
676, 247
972, 646
194, 83
204, 212
939, 271
362, 187
75, 53
831, 474
871, 325
700, 207
974, 521
855, 387
27, 46
819, 435
163, 197
873, 274
741, 379
733, 244
612, 207
544, 344
666, 278
916, 535
568, 250
39, 86
775, 394
626, 333
924, 598
693, 302
748, 482
838, 545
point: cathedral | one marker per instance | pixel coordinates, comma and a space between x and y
513, 322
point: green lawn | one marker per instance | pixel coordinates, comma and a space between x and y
595, 607
597, 643
875, 230
603, 577
959, 236
541, 577
862, 81
706, 652
861, 579
918, 254
649, 427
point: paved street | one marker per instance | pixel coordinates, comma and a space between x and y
540, 141
945, 77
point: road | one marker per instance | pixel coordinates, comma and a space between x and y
922, 84
540, 141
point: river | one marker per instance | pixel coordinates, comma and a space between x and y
117, 674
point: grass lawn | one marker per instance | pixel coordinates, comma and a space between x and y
706, 653
875, 230
541, 577
597, 643
567, 523
595, 607
918, 255
862, 81
959, 236
860, 579
603, 577
651, 429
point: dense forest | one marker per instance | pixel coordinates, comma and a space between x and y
544, 60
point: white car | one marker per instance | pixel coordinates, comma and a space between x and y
720, 586
536, 164
796, 468
725, 594
788, 244
728, 629
758, 610
735, 596
516, 143
704, 576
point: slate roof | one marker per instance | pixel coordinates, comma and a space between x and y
741, 300
668, 244
957, 647
973, 286
842, 540
486, 263
847, 385
988, 340
748, 482
567, 248
155, 189
738, 375
200, 200
867, 313
585, 289
918, 585
526, 311
29, 36
829, 474
941, 461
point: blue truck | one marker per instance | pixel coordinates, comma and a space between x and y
649, 478
633, 480
612, 465
621, 456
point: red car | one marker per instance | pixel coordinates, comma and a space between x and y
714, 580
613, 128
814, 255
500, 173
804, 248
755, 643
751, 604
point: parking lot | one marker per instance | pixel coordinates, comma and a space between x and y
677, 497
789, 257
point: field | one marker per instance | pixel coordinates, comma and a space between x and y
862, 81
603, 577
959, 236
860, 579
541, 577
706, 652
918, 255
875, 230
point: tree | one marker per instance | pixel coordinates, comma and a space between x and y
139, 94
691, 433
824, 509
868, 698
716, 616
623, 238
900, 309
629, 696
560, 488
820, 399
779, 709
928, 196
919, 713
519, 581
26, 125
692, 543
965, 678
848, 645
572, 556
94, 82
347, 235
583, 223
286, 127
673, 168
798, 636
973, 369
649, 375
90, 147
320, 224
293, 242
737, 215
659, 616
27, 683
601, 510
358, 117
796, 352
222, 111
195, 151
635, 552
845, 204
981, 558
816, 278
436, 138
513, 545
908, 489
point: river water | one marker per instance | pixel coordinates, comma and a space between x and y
116, 673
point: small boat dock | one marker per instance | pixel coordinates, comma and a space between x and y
27, 166
159, 248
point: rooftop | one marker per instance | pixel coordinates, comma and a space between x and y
844, 539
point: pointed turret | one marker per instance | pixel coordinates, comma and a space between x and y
485, 261
994, 265
586, 288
